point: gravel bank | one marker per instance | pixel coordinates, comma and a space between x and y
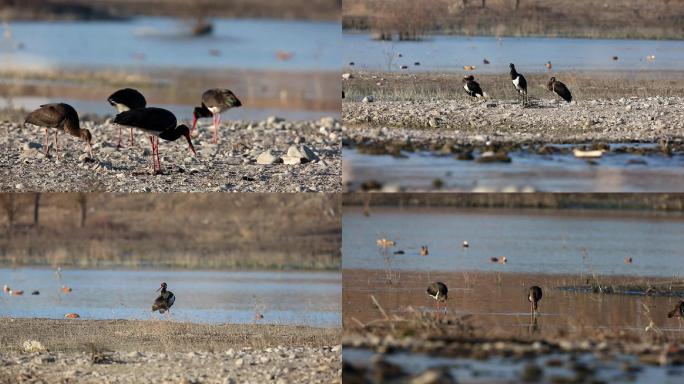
633, 119
120, 351
230, 166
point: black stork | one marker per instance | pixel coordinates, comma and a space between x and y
214, 102
62, 117
439, 292
124, 100
559, 89
677, 311
472, 87
535, 295
165, 300
519, 83
158, 123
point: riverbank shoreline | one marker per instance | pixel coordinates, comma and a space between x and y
127, 351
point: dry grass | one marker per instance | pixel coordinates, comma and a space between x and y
266, 231
97, 336
110, 9
448, 86
642, 19
613, 201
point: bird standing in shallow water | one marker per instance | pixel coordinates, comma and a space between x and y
424, 250
157, 123
63, 117
519, 83
559, 89
124, 100
678, 311
440, 293
214, 102
534, 297
165, 300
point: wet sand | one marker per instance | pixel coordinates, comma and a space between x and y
122, 351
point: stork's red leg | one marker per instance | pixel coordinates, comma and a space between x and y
47, 144
132, 141
154, 167
156, 146
218, 124
118, 144
56, 145
215, 128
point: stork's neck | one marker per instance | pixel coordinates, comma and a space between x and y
72, 126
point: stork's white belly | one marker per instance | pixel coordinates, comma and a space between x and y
121, 107
214, 110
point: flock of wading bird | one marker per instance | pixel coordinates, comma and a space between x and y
440, 292
134, 113
473, 88
162, 303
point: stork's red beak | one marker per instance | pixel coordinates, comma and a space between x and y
158, 289
187, 137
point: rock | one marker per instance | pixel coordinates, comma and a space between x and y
239, 363
268, 158
347, 76
367, 99
494, 157
302, 152
290, 160
434, 376
84, 158
32, 154
272, 120
32, 145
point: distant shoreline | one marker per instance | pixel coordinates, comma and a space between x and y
642, 19
113, 10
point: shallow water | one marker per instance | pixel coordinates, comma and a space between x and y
310, 298
496, 301
451, 53
149, 42
506, 370
534, 241
549, 173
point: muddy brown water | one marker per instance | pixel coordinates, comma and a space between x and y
498, 301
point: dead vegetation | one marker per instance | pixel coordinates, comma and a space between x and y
266, 231
600, 201
640, 19
117, 9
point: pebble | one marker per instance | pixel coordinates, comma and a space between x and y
268, 158
128, 169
